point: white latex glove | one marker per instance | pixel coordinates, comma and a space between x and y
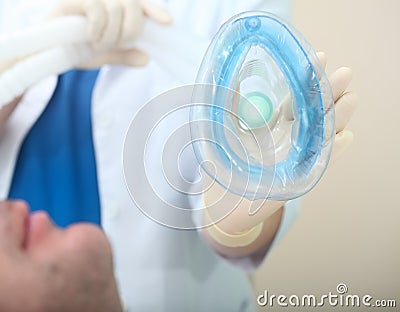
345, 105
269, 212
113, 24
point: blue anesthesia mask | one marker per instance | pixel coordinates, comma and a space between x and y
266, 128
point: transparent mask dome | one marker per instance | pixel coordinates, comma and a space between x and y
263, 122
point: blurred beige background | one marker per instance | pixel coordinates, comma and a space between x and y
349, 227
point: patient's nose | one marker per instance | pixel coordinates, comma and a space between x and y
40, 226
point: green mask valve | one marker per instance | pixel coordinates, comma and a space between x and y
255, 110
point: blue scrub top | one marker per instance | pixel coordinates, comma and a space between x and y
56, 165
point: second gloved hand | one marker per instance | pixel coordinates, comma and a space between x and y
112, 25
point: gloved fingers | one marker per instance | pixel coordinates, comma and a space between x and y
344, 109
113, 29
125, 20
339, 81
345, 105
132, 57
96, 12
133, 21
342, 141
156, 12
322, 59
287, 101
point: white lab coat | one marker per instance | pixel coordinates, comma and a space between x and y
157, 268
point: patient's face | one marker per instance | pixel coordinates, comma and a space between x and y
46, 268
